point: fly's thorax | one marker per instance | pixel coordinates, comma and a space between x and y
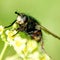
37, 27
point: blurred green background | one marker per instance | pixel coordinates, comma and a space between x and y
47, 12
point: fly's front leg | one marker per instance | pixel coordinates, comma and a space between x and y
18, 30
10, 24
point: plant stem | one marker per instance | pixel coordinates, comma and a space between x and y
3, 51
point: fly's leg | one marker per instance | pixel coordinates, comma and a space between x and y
42, 46
18, 30
16, 33
43, 49
13, 21
10, 24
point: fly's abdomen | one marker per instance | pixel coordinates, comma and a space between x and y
36, 35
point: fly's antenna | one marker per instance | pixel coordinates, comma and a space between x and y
17, 13
45, 29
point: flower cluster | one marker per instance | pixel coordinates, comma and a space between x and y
26, 49
1, 29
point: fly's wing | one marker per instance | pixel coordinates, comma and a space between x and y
46, 30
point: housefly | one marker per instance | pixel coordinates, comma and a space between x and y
30, 25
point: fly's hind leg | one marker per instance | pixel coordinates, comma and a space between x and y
43, 49
42, 45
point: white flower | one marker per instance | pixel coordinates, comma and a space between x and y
34, 56
19, 44
10, 36
11, 33
1, 29
44, 57
31, 45
14, 57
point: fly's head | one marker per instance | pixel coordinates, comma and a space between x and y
21, 18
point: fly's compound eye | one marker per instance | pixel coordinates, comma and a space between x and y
21, 20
